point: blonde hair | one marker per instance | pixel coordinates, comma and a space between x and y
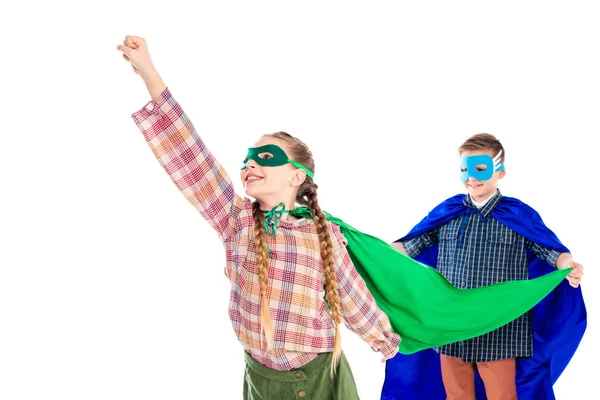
307, 195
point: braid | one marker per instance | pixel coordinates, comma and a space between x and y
262, 262
307, 195
331, 293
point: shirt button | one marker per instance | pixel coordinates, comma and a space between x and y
466, 263
301, 393
462, 284
501, 240
298, 375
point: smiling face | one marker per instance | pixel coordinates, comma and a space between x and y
270, 185
481, 189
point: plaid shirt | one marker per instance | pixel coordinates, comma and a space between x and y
476, 250
302, 322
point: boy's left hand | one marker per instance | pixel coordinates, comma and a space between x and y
566, 261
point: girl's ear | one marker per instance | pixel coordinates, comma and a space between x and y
298, 178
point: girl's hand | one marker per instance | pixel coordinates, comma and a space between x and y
135, 50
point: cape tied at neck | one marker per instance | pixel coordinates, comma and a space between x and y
272, 218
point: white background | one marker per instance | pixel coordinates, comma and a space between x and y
112, 286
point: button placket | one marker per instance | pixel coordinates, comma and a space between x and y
302, 391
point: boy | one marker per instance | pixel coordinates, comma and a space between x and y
483, 238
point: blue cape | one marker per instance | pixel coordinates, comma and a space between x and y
559, 320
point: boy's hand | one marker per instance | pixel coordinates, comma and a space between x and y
566, 261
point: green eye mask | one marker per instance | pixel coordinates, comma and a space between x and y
271, 155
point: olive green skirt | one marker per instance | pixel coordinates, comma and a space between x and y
312, 381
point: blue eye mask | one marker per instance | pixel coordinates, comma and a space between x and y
480, 167
271, 155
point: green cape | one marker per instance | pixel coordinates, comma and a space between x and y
423, 307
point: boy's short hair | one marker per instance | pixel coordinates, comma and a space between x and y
483, 141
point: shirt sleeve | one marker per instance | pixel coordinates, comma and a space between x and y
545, 253
191, 166
358, 308
416, 245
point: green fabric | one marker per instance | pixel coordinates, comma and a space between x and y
423, 307
302, 167
312, 379
272, 217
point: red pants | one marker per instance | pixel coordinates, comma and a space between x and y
498, 378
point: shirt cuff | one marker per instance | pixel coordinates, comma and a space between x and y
388, 348
410, 247
151, 107
552, 257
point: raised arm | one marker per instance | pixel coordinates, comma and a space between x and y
178, 148
135, 50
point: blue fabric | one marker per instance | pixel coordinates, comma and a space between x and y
559, 320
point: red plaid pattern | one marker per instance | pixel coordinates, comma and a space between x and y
303, 327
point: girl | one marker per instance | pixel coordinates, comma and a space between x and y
292, 280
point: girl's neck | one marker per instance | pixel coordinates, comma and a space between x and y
269, 205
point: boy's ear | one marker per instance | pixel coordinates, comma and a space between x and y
502, 173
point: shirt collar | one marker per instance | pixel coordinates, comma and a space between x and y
488, 207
